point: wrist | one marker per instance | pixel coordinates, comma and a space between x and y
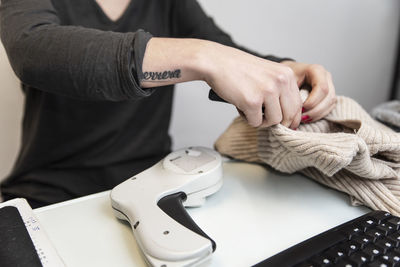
204, 59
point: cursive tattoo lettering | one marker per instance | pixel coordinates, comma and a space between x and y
158, 76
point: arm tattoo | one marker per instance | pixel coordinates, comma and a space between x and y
160, 76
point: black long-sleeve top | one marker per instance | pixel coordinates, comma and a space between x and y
87, 124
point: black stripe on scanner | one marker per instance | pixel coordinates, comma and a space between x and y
172, 205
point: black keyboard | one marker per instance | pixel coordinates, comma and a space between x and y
370, 240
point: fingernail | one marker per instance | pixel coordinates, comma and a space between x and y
308, 121
305, 117
303, 110
295, 129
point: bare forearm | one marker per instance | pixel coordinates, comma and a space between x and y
170, 61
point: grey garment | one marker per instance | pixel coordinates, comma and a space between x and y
37, 45
389, 114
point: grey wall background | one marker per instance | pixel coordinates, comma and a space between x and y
354, 39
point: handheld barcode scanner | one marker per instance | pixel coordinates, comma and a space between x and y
153, 203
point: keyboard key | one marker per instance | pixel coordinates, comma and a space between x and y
366, 225
335, 254
385, 244
371, 221
374, 234
350, 247
396, 259
381, 216
384, 228
395, 238
351, 230
358, 258
394, 222
362, 240
393, 257
372, 252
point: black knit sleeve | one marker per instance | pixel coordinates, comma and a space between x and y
70, 60
190, 21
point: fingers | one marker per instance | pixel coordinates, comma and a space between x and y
318, 78
285, 110
272, 113
296, 121
292, 107
253, 114
284, 105
325, 106
281, 99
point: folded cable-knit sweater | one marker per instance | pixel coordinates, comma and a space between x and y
347, 150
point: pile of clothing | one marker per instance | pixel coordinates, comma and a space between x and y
347, 150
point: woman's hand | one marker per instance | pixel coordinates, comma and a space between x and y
251, 83
322, 98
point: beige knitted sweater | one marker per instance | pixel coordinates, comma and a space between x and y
348, 151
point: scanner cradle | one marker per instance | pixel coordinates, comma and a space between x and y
153, 203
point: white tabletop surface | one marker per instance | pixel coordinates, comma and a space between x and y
256, 214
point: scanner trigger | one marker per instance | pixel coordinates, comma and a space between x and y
172, 205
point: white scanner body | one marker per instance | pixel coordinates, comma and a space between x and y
150, 202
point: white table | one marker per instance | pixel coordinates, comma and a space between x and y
257, 213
